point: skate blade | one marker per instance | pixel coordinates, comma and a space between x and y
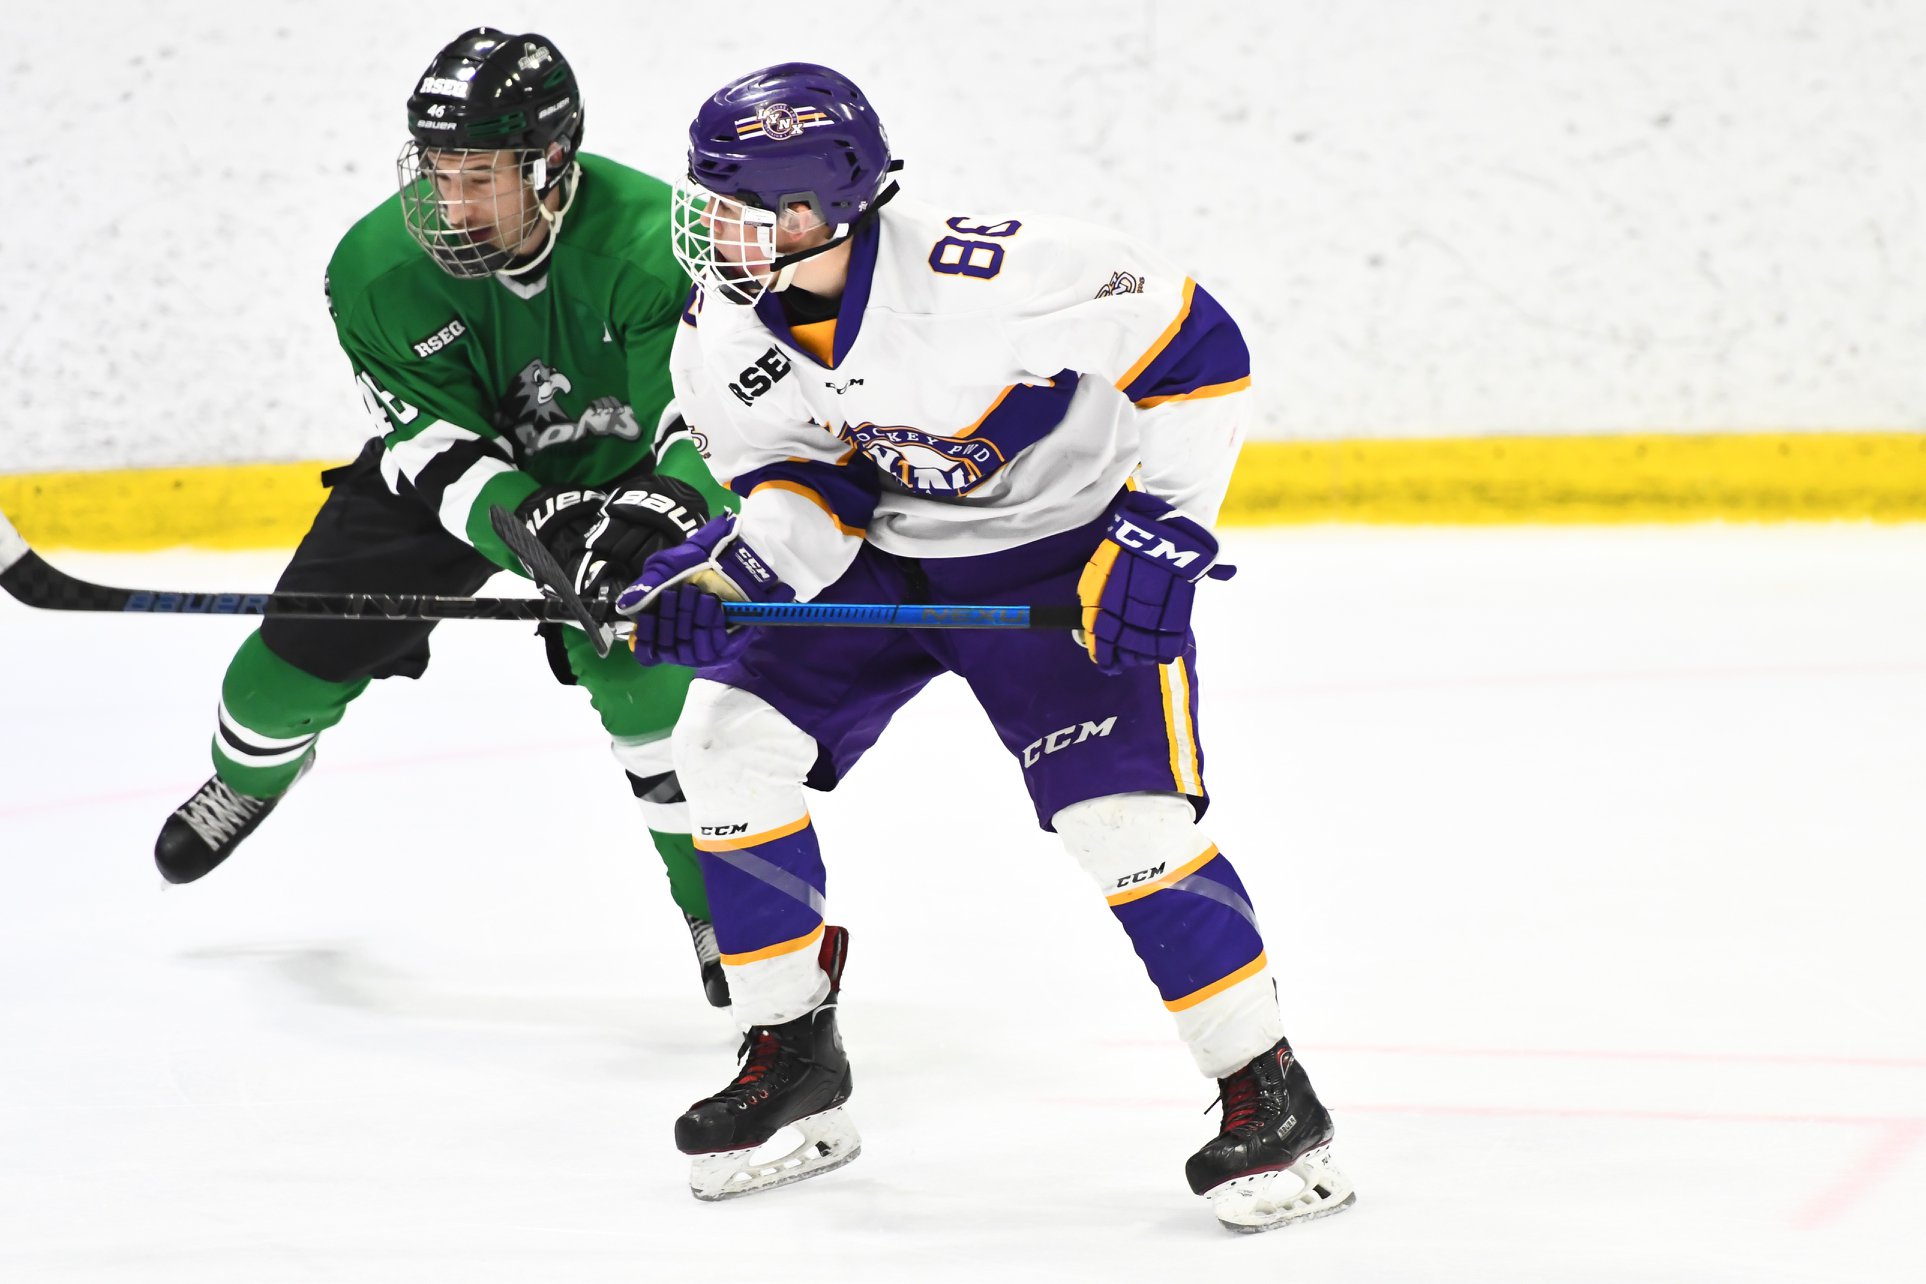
829, 1141
1313, 1187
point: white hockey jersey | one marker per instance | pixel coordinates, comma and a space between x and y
987, 382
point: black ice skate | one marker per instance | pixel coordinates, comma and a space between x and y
1271, 1165
702, 934
792, 1074
205, 830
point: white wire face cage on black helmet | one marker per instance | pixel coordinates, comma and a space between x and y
495, 127
477, 212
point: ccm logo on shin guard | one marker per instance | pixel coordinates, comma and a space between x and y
1062, 738
723, 831
1152, 545
1143, 876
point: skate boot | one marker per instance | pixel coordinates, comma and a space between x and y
1271, 1165
792, 1074
205, 830
702, 934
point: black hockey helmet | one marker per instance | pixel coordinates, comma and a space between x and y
490, 91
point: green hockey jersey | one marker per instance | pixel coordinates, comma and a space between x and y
489, 388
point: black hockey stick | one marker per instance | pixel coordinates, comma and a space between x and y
28, 577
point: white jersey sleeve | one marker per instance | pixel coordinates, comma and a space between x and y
1122, 311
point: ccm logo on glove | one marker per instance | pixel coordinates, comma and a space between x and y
1151, 544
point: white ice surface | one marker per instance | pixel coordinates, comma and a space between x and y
1590, 864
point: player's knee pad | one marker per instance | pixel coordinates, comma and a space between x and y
1127, 839
650, 765
731, 743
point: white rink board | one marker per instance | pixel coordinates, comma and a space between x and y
1432, 217
1588, 863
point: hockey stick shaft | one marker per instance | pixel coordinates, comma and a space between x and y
35, 582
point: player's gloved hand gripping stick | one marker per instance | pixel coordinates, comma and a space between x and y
1138, 587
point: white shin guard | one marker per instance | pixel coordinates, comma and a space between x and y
1129, 842
742, 765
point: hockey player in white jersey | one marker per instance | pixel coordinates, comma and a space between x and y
932, 404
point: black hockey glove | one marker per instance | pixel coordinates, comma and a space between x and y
644, 512
561, 518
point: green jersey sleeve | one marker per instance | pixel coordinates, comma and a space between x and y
438, 436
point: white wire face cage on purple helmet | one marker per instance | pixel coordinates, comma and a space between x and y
780, 151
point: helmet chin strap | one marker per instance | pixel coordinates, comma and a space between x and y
551, 218
786, 265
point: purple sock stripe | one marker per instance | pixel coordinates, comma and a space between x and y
1188, 941
1218, 880
764, 895
775, 875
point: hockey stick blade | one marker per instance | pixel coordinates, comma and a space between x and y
549, 575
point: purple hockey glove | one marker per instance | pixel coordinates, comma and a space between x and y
676, 600
1138, 586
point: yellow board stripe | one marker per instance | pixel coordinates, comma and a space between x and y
751, 840
1197, 394
1195, 997
225, 507
1652, 477
774, 951
1208, 855
1645, 477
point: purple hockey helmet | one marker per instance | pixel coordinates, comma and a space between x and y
788, 136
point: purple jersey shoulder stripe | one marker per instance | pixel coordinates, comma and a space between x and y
1206, 352
847, 495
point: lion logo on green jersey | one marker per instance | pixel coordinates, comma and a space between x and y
532, 414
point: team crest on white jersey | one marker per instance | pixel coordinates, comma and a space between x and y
924, 463
1122, 283
780, 121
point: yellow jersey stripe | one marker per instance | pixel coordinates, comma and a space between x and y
1198, 394
797, 488
1163, 340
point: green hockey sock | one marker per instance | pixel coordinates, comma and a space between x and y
270, 716
685, 873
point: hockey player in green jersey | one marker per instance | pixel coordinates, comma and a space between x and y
508, 315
